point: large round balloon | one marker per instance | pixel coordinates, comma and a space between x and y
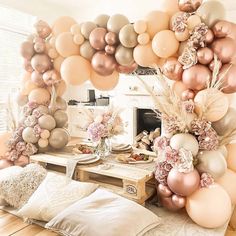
47, 122
75, 70
87, 27
165, 44
65, 45
87, 51
127, 36
144, 55
104, 83
21, 99
29, 136
41, 62
227, 181
61, 118
209, 207
124, 56
116, 22
27, 50
154, 25
28, 86
58, 138
37, 78
39, 95
169, 6
61, 103
101, 20
62, 24
231, 160
97, 38
57, 63
172, 69
104, 64
212, 162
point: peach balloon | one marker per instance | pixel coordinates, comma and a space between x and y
62, 24
144, 55
196, 77
172, 69
25, 77
169, 6
65, 45
57, 63
193, 21
227, 181
5, 163
52, 53
39, 95
140, 26
75, 70
205, 55
179, 87
154, 25
165, 44
28, 87
143, 38
75, 29
3, 143
78, 39
231, 160
182, 36
209, 207
104, 83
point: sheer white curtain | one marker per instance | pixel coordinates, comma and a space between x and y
14, 28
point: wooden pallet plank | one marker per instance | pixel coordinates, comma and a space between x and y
30, 230
12, 227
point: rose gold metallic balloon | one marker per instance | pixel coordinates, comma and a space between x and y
27, 66
39, 47
225, 49
164, 191
178, 201
209, 36
229, 85
212, 65
110, 49
41, 62
196, 77
127, 69
183, 184
27, 50
37, 78
97, 38
42, 29
187, 94
168, 204
103, 64
222, 29
205, 55
111, 38
172, 69
189, 5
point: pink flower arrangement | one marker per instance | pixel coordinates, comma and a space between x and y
96, 131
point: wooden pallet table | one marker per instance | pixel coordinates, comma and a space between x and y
133, 182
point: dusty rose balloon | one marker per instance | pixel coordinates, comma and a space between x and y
42, 28
212, 65
196, 77
172, 69
189, 5
103, 64
127, 69
168, 203
97, 38
51, 77
183, 184
229, 85
110, 49
178, 201
205, 55
27, 66
111, 38
37, 78
22, 161
209, 36
5, 163
225, 49
164, 191
187, 94
41, 62
27, 49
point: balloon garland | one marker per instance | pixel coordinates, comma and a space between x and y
193, 46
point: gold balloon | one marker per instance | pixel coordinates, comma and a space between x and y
127, 36
124, 56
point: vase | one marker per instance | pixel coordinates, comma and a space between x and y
103, 148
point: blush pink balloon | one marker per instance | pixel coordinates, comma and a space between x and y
37, 78
183, 184
225, 49
5, 163
196, 77
27, 50
51, 77
205, 55
111, 38
229, 85
27, 66
97, 38
178, 201
41, 62
22, 161
168, 203
103, 64
209, 36
110, 49
187, 94
163, 190
172, 69
127, 69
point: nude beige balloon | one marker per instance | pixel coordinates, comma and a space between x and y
75, 29
124, 56
78, 39
87, 51
58, 138
75, 70
182, 36
127, 36
143, 38
116, 22
47, 122
165, 44
168, 6
62, 24
101, 20
87, 27
154, 25
209, 207
140, 26
29, 136
39, 95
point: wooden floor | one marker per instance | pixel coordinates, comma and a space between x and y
12, 225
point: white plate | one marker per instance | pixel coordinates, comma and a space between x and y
89, 161
150, 159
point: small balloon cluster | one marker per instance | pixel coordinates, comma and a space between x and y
43, 110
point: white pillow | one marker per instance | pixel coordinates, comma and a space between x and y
104, 214
54, 194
